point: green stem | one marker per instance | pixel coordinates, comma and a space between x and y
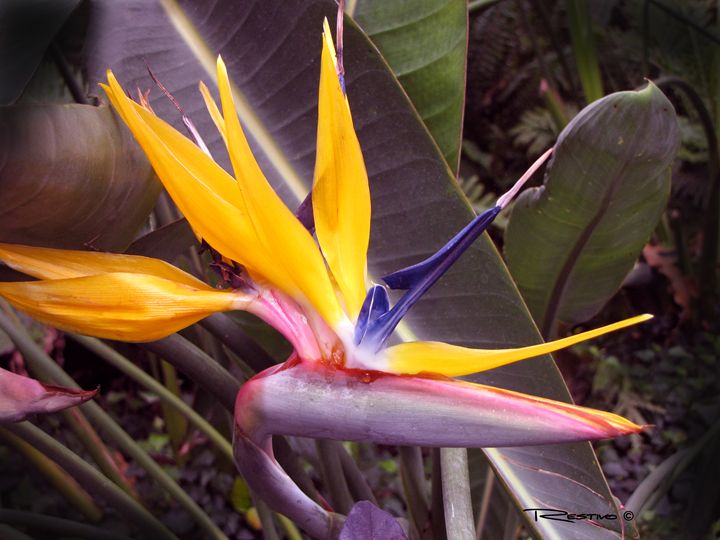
556, 43
583, 44
48, 370
65, 484
485, 500
198, 366
437, 511
711, 233
71, 81
92, 480
412, 473
333, 476
175, 423
95, 446
476, 5
356, 480
9, 533
115, 359
57, 527
459, 522
685, 20
267, 520
293, 533
234, 338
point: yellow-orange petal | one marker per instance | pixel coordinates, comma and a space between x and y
455, 361
246, 226
49, 263
124, 306
341, 196
212, 108
293, 249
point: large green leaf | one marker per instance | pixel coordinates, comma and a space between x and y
26, 29
424, 43
571, 242
71, 177
272, 50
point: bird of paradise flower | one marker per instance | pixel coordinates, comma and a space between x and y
343, 381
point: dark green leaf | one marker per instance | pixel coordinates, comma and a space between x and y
424, 42
166, 243
272, 50
571, 242
27, 27
71, 177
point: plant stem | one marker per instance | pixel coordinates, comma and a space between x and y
485, 500
9, 533
198, 366
93, 480
115, 359
234, 337
58, 527
76, 90
476, 5
437, 511
47, 369
95, 446
412, 473
356, 480
266, 517
333, 476
711, 230
459, 522
65, 484
583, 44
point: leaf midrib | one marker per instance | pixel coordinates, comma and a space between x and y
563, 279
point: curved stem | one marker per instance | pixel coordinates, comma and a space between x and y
115, 359
91, 479
57, 526
9, 533
46, 368
95, 446
197, 365
234, 337
333, 476
412, 473
58, 478
708, 261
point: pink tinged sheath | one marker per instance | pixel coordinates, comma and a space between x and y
21, 397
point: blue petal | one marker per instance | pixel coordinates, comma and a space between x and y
376, 304
417, 279
411, 276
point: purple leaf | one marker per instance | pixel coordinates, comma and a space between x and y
367, 522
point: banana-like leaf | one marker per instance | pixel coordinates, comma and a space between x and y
71, 176
425, 43
28, 27
571, 242
272, 50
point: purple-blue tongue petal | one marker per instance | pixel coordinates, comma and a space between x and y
417, 279
376, 303
411, 276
